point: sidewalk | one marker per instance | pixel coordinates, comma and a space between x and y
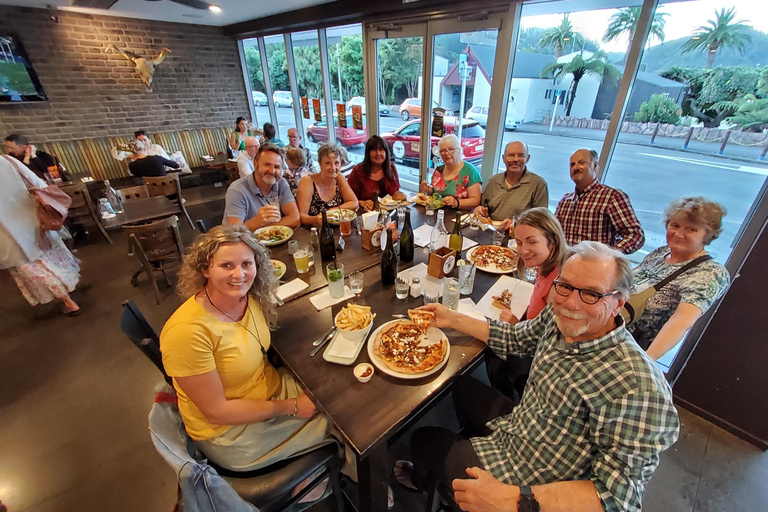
733, 151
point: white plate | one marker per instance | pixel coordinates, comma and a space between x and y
334, 213
493, 269
434, 335
280, 268
346, 361
288, 232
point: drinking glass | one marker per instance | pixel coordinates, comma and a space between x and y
401, 287
467, 278
293, 246
401, 217
430, 296
498, 237
345, 227
311, 254
356, 282
451, 293
335, 275
530, 274
359, 225
276, 203
430, 210
301, 259
474, 223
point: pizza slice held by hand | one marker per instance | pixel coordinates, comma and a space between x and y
421, 318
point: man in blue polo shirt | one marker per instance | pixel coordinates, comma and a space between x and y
251, 200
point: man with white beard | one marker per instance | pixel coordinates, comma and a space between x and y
595, 415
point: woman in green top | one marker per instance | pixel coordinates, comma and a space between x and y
243, 129
457, 182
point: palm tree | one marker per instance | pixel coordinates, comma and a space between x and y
720, 32
596, 65
561, 36
625, 20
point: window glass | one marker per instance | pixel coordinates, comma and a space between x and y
309, 79
278, 75
256, 77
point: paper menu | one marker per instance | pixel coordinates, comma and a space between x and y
422, 233
521, 295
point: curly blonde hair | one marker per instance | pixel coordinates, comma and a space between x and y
698, 210
199, 255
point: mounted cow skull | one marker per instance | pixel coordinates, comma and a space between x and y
145, 67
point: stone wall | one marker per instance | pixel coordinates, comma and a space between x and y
665, 130
92, 94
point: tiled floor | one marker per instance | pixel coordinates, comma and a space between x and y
74, 398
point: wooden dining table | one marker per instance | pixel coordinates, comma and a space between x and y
369, 416
142, 210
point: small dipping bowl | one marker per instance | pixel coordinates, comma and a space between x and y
361, 369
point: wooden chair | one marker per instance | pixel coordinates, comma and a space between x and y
232, 171
129, 194
82, 211
170, 187
158, 246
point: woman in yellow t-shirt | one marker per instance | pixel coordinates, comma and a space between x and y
242, 412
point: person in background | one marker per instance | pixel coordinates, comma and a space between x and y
325, 189
456, 181
245, 158
40, 264
243, 128
376, 174
517, 189
294, 140
270, 135
263, 198
243, 413
692, 223
541, 246
597, 212
36, 160
152, 149
297, 168
592, 424
148, 165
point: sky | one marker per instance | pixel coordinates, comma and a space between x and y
682, 21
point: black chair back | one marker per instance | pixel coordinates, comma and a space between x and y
204, 225
141, 333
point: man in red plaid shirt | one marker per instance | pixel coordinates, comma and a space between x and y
597, 212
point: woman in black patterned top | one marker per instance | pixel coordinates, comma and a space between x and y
325, 189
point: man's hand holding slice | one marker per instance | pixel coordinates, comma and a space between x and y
421, 318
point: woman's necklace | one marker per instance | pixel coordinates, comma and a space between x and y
254, 334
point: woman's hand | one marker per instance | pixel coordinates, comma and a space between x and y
451, 201
306, 408
367, 205
425, 188
507, 316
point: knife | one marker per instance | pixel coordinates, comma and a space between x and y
322, 344
321, 338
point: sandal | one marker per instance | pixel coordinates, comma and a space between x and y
71, 312
402, 471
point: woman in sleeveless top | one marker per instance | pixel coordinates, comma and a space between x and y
242, 130
326, 189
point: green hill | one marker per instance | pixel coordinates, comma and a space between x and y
667, 55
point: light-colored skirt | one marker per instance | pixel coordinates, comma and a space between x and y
257, 445
52, 276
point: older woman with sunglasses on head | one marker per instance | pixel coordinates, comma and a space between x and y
692, 223
241, 412
456, 181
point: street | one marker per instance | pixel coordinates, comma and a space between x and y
652, 176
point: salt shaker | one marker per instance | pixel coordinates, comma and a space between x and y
315, 237
415, 287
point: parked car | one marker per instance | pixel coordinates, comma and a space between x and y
405, 142
479, 114
510, 123
412, 108
318, 132
359, 100
259, 98
283, 99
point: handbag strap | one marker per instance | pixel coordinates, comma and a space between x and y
664, 282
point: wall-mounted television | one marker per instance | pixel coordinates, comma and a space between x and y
18, 80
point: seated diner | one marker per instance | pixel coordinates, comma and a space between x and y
325, 189
456, 181
376, 175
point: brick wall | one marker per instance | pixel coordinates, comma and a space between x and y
93, 94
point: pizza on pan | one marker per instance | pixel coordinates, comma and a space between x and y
398, 347
421, 318
503, 258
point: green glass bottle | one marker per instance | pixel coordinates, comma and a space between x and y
457, 239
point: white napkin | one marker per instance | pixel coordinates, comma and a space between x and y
369, 220
421, 235
324, 299
291, 288
467, 306
521, 295
428, 283
343, 347
467, 243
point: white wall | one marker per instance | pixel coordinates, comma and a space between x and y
482, 94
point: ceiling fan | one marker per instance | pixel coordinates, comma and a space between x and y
106, 4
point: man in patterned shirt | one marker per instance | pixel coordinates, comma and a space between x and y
597, 212
595, 415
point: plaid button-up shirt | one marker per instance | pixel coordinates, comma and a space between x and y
598, 410
601, 214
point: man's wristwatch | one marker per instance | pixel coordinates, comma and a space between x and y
527, 501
